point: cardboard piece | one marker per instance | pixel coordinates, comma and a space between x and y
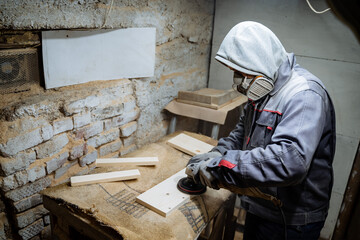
204, 113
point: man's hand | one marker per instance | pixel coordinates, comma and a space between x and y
204, 157
197, 169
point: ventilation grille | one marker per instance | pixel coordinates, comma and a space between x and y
18, 69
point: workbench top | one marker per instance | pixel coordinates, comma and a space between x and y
110, 208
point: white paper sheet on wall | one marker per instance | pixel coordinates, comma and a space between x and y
74, 57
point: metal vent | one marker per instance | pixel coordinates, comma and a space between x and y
18, 69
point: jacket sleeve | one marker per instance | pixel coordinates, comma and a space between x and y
234, 140
287, 159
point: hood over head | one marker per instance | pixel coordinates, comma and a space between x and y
252, 48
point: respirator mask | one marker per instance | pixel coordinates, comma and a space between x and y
254, 88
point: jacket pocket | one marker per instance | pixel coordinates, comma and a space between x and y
263, 130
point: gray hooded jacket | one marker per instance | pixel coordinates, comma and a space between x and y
284, 143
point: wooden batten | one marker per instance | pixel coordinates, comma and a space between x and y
104, 177
189, 145
136, 161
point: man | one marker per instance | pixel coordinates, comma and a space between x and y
284, 143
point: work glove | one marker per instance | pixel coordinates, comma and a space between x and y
204, 157
197, 170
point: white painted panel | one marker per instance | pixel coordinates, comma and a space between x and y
343, 83
73, 57
330, 222
346, 149
299, 29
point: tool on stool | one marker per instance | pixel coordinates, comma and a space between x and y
188, 186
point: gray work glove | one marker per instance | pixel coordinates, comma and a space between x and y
204, 157
197, 169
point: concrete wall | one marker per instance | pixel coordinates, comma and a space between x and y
49, 135
323, 45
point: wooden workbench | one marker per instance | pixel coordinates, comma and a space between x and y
109, 210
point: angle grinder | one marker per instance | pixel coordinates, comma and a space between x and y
188, 186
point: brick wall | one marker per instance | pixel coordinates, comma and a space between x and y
45, 149
47, 136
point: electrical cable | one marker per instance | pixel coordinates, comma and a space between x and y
318, 12
284, 221
107, 13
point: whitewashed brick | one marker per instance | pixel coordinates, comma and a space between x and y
9, 183
103, 138
78, 150
36, 173
26, 218
89, 131
88, 158
28, 190
35, 109
126, 117
129, 105
81, 105
52, 146
32, 230
128, 129
82, 119
63, 125
27, 124
21, 142
17, 163
23, 177
110, 148
127, 141
47, 132
107, 124
61, 171
126, 150
28, 202
103, 112
56, 162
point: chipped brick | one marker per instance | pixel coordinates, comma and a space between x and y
52, 146
56, 162
63, 125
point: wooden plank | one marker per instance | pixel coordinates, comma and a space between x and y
189, 145
137, 161
164, 197
104, 177
208, 96
212, 106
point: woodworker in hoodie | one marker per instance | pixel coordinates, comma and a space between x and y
284, 142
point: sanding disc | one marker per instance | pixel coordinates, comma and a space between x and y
188, 186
